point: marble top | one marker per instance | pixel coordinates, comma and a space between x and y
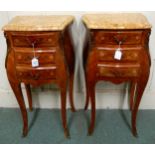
38, 23
116, 21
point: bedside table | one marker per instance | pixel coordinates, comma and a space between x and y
40, 51
116, 50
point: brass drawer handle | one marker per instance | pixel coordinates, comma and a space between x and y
33, 41
35, 76
27, 58
119, 42
117, 73
31, 57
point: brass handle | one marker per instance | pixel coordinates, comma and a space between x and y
117, 73
28, 58
33, 41
119, 41
35, 76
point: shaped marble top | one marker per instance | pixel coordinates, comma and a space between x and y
38, 23
116, 21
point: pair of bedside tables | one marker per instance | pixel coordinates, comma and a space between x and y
40, 51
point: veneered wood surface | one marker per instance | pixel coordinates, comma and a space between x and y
54, 50
100, 64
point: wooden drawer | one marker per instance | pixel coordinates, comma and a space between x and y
118, 70
28, 73
127, 55
39, 40
114, 37
43, 57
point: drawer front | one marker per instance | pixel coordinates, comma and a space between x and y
43, 57
120, 71
24, 73
39, 40
116, 37
127, 55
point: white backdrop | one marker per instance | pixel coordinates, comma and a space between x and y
107, 95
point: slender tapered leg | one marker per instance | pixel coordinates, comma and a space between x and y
63, 91
70, 59
71, 81
132, 94
29, 95
19, 96
87, 95
140, 89
93, 108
